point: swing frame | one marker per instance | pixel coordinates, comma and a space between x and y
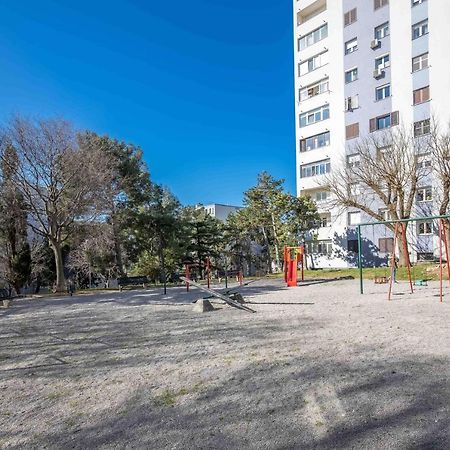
400, 228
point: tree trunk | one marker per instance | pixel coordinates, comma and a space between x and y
60, 279
117, 247
277, 252
269, 257
403, 248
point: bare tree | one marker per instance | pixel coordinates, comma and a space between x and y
62, 183
384, 174
438, 143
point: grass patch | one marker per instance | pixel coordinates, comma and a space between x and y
419, 271
170, 397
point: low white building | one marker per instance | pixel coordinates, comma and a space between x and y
219, 211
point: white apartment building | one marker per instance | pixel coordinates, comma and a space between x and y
361, 66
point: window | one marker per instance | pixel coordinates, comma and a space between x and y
425, 227
313, 37
321, 196
354, 218
351, 75
386, 245
315, 115
352, 245
421, 95
353, 160
425, 194
385, 214
382, 62
420, 62
380, 3
350, 17
316, 168
381, 31
385, 121
425, 256
421, 127
383, 152
420, 29
382, 92
313, 63
325, 221
424, 161
352, 131
314, 142
313, 89
417, 2
319, 247
351, 46
351, 103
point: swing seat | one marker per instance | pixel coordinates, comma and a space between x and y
381, 280
420, 283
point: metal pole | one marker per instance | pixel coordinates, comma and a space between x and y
393, 261
361, 283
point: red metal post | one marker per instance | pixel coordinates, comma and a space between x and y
408, 260
241, 278
444, 232
303, 262
440, 259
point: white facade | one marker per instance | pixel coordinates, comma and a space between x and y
219, 211
354, 64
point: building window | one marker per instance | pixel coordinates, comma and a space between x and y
420, 29
316, 115
382, 92
354, 218
313, 37
321, 196
319, 247
421, 95
425, 256
417, 2
425, 227
421, 127
420, 62
382, 31
424, 161
385, 214
352, 131
382, 62
379, 3
385, 121
350, 17
351, 75
352, 245
314, 89
325, 220
425, 194
353, 160
386, 245
316, 168
351, 103
313, 63
351, 46
314, 142
383, 152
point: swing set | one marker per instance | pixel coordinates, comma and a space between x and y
400, 238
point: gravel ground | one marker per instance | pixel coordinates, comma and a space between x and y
318, 366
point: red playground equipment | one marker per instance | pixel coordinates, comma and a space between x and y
293, 257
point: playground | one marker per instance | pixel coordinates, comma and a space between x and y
317, 366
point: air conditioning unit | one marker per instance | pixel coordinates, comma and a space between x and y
375, 44
378, 73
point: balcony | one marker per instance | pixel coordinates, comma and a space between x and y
311, 11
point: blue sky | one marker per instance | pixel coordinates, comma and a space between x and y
205, 87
